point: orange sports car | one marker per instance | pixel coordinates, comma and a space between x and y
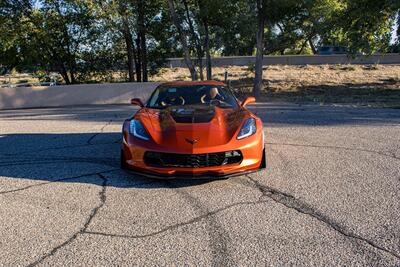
193, 129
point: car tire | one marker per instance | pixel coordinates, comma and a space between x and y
124, 166
263, 164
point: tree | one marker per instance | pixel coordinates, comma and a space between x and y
207, 48
203, 22
183, 37
258, 79
142, 37
207, 12
367, 24
12, 42
57, 33
137, 21
236, 31
196, 39
131, 52
88, 41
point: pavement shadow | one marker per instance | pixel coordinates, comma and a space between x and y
300, 114
89, 113
78, 157
284, 114
72, 158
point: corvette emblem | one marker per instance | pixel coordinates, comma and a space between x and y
191, 141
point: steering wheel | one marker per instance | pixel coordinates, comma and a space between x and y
182, 100
214, 102
167, 101
217, 102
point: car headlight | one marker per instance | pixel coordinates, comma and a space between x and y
137, 129
249, 128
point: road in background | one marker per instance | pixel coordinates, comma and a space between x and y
329, 197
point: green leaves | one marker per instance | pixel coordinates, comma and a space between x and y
83, 38
367, 24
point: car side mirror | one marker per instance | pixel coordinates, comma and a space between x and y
248, 100
137, 102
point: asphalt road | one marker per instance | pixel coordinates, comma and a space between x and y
329, 197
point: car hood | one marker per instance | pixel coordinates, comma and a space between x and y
191, 126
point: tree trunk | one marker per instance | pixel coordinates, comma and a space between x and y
138, 63
142, 34
183, 37
66, 63
258, 80
314, 50
398, 27
73, 79
71, 65
199, 50
207, 48
143, 58
70, 60
64, 73
302, 47
129, 48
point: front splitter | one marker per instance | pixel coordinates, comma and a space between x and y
186, 176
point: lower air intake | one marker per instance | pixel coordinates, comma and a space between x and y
158, 159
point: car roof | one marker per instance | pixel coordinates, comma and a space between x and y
189, 83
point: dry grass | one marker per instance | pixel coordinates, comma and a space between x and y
371, 85
18, 79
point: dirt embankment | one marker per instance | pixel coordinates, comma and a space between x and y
370, 85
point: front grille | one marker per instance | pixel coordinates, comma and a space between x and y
192, 160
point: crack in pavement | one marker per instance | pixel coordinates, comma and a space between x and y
338, 147
178, 225
218, 237
103, 198
93, 213
76, 177
87, 144
283, 198
55, 181
291, 202
89, 141
54, 160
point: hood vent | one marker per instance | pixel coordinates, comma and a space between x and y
192, 115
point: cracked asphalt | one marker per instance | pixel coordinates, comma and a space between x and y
329, 197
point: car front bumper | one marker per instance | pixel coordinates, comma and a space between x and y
252, 152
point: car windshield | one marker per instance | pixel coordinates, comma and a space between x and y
166, 96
